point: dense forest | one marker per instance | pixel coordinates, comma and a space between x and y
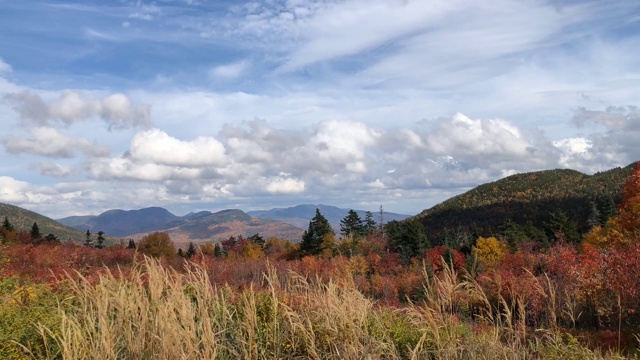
524, 204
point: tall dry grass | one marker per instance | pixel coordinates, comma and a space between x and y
155, 312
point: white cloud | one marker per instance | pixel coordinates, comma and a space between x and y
464, 136
17, 191
285, 186
49, 142
367, 27
125, 169
158, 147
343, 142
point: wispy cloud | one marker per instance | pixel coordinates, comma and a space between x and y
257, 103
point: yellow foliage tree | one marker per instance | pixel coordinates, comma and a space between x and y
207, 249
252, 250
157, 244
490, 251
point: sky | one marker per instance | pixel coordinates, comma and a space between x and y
207, 105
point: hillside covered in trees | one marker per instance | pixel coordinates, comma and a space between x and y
530, 201
23, 219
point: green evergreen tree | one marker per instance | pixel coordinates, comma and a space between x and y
132, 244
352, 225
594, 215
534, 233
561, 228
513, 234
217, 250
408, 238
370, 225
35, 231
313, 237
191, 250
180, 253
88, 241
50, 238
100, 240
607, 209
7, 225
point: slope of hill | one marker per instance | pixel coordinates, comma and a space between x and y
300, 215
23, 219
528, 197
122, 223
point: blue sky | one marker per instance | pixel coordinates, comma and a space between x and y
195, 105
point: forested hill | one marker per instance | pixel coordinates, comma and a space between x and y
23, 219
528, 199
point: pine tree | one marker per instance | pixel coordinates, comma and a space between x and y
594, 215
191, 250
132, 244
513, 234
607, 209
560, 227
35, 231
100, 240
88, 241
407, 238
7, 225
52, 239
370, 225
217, 250
313, 237
352, 225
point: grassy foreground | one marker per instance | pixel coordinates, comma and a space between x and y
154, 312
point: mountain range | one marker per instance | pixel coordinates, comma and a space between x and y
527, 198
287, 223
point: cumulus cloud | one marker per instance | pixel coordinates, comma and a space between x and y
285, 186
17, 191
462, 135
49, 142
617, 145
257, 161
156, 146
342, 142
116, 110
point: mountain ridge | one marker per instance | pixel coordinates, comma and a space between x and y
525, 198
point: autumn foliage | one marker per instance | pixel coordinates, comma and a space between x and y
589, 290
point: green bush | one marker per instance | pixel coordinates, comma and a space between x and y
22, 308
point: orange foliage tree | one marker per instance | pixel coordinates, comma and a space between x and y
628, 218
625, 226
